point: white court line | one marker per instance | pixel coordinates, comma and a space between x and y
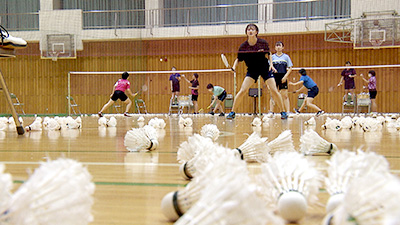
142, 164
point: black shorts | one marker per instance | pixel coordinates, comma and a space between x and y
312, 92
176, 88
119, 95
265, 76
194, 98
349, 85
222, 96
278, 80
372, 94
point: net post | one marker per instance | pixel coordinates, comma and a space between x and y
259, 95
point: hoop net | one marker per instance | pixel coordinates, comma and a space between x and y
54, 55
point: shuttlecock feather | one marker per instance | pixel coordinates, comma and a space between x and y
6, 184
102, 122
58, 192
210, 131
175, 204
254, 149
256, 122
344, 166
144, 138
310, 122
371, 199
112, 122
229, 199
52, 124
289, 182
284, 142
35, 126
312, 143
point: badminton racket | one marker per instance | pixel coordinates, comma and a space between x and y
225, 61
143, 89
208, 107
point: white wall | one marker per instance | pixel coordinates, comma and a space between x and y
358, 7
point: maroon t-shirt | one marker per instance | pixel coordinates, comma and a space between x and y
195, 83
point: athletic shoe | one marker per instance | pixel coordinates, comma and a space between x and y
319, 113
212, 113
222, 114
10, 42
126, 114
296, 111
100, 114
231, 116
284, 115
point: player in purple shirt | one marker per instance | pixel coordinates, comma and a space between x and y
372, 88
174, 80
348, 75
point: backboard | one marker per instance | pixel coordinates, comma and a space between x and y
59, 46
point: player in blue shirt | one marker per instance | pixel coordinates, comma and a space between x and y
312, 91
283, 64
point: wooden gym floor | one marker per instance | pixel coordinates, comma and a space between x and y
130, 185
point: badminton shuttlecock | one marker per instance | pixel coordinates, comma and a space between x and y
157, 123
310, 122
254, 149
229, 199
312, 143
140, 119
144, 138
344, 166
289, 182
4, 119
371, 199
71, 123
210, 131
185, 122
12, 122
196, 149
35, 126
266, 118
102, 122
371, 124
58, 192
3, 125
112, 122
175, 204
6, 185
188, 149
346, 123
52, 124
79, 120
256, 122
332, 124
284, 142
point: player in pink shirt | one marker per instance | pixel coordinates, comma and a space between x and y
118, 92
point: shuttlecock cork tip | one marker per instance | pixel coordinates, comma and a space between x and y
292, 206
154, 144
169, 206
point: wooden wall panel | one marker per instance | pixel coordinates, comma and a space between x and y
42, 84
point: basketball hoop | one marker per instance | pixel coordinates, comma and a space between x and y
376, 43
54, 55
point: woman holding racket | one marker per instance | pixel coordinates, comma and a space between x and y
256, 54
118, 92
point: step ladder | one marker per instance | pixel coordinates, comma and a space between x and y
8, 53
